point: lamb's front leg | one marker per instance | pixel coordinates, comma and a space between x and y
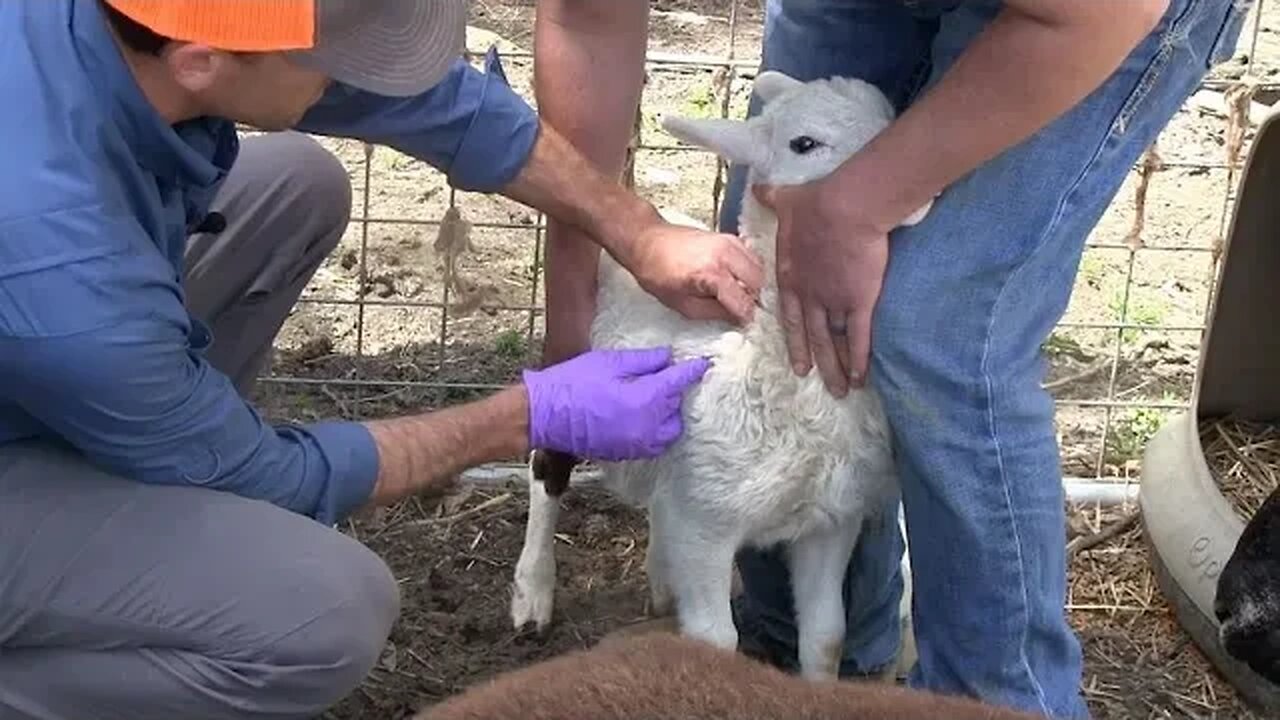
818, 565
698, 562
533, 594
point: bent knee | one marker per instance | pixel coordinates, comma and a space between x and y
938, 379
353, 603
315, 177
326, 182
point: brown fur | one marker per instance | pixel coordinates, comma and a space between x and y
553, 468
660, 675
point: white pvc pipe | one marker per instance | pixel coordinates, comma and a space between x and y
1078, 490
1100, 491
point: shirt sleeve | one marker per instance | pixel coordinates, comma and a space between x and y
108, 364
471, 125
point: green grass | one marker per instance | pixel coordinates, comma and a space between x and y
510, 344
1140, 311
1132, 429
701, 102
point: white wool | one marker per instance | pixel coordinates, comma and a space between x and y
766, 456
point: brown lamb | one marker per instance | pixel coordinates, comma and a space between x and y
660, 676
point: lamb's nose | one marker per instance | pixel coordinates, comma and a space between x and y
1221, 610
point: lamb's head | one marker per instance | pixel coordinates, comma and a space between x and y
803, 132
1247, 602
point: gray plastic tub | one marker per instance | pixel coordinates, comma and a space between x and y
1191, 528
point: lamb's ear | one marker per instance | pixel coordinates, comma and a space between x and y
730, 139
771, 83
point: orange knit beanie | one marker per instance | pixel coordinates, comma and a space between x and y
235, 25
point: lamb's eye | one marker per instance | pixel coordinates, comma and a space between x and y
803, 144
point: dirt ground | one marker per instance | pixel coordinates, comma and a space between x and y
413, 346
455, 558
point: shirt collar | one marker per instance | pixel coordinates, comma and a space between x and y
196, 152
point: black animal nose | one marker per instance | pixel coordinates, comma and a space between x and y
1220, 609
1231, 591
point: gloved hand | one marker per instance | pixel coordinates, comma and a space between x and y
610, 404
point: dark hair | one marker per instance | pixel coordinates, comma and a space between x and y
135, 36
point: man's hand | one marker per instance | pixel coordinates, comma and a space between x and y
832, 236
610, 404
831, 265
697, 273
701, 275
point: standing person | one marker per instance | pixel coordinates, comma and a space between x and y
1025, 116
164, 551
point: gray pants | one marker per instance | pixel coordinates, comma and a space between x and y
120, 600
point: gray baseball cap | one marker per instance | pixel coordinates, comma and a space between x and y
389, 47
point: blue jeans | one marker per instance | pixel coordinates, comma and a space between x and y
970, 295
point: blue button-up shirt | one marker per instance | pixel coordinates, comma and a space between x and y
97, 199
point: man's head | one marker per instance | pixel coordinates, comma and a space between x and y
266, 62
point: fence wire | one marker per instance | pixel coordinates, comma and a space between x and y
314, 379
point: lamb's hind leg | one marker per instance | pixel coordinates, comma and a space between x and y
698, 562
661, 601
818, 565
533, 593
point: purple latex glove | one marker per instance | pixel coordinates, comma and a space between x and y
610, 404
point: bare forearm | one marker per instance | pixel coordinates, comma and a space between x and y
423, 453
589, 73
588, 78
1035, 61
561, 182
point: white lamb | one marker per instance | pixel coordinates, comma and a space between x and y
767, 457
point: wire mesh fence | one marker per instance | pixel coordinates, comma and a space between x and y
435, 295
